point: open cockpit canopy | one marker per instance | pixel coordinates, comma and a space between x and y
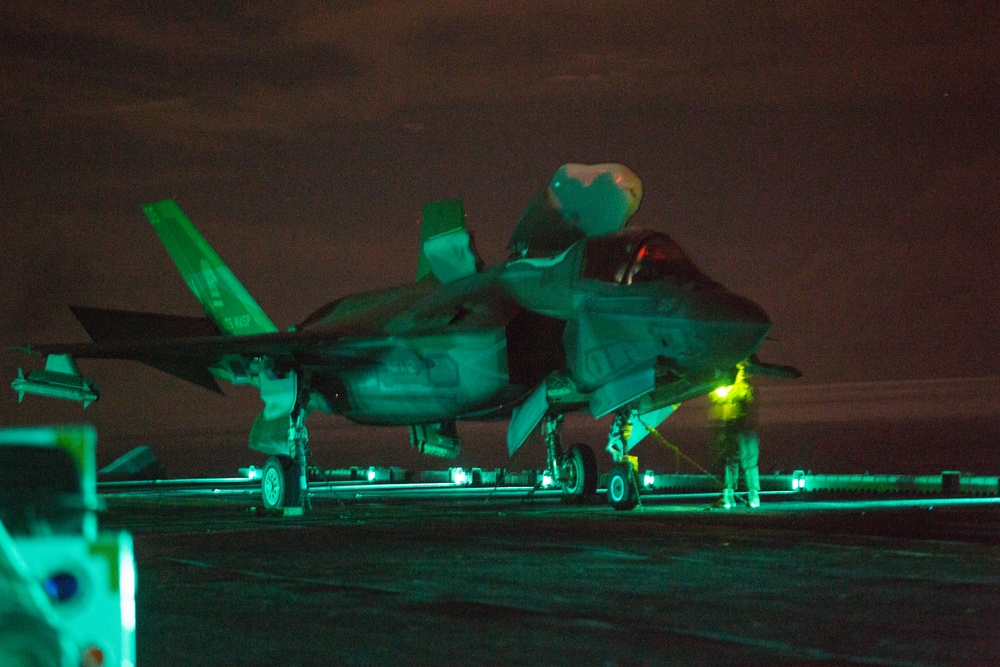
581, 201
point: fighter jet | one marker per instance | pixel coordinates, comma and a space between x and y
586, 315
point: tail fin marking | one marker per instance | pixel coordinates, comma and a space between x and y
221, 295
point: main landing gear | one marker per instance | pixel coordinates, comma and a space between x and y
284, 484
574, 470
280, 485
284, 487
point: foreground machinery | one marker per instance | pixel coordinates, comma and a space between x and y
585, 315
67, 589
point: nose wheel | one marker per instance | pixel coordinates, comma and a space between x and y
623, 480
623, 488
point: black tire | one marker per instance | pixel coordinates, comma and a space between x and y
280, 484
622, 494
579, 470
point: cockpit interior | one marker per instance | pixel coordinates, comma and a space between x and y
637, 256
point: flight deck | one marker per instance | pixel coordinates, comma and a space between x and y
382, 483
472, 566
446, 573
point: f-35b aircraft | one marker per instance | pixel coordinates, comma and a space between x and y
586, 315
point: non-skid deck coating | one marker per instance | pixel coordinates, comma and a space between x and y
510, 582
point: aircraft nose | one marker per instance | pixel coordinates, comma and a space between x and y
736, 325
724, 306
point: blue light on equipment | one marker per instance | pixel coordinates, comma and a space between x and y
61, 587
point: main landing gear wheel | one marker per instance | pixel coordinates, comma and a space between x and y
622, 491
280, 486
579, 474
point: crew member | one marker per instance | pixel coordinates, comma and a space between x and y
732, 423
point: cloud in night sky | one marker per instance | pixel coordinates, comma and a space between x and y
244, 67
837, 162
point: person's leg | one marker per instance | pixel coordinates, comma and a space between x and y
749, 456
729, 454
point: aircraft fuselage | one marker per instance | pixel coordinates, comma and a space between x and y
472, 348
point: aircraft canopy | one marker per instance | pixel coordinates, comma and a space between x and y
636, 256
581, 201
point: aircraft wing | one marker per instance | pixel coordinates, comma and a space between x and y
186, 347
198, 349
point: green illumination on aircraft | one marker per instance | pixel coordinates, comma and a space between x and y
586, 316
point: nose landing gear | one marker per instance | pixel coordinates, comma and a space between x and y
623, 480
623, 488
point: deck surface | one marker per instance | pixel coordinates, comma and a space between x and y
533, 583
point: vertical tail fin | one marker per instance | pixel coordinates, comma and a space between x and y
222, 296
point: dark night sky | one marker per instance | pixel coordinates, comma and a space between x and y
837, 162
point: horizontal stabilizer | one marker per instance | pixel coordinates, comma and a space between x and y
193, 372
139, 464
103, 325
